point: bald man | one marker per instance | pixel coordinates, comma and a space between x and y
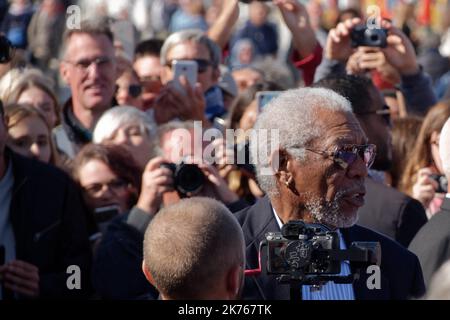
432, 242
194, 250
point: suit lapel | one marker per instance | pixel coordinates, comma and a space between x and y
260, 220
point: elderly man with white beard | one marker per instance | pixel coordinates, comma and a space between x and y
315, 173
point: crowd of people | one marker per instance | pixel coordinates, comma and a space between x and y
113, 162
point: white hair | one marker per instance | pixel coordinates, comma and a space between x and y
118, 117
196, 36
294, 115
444, 147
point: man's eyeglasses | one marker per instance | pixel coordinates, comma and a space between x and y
346, 155
202, 64
84, 64
385, 112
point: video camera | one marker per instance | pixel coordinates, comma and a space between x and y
362, 36
188, 178
310, 254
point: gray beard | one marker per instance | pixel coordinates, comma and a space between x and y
329, 213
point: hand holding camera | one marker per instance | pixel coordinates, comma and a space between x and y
393, 43
366, 59
156, 180
424, 189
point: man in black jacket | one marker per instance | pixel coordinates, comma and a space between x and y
315, 173
432, 242
42, 230
386, 210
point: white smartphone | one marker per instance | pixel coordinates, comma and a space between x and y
264, 97
187, 68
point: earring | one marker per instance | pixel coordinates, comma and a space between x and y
288, 183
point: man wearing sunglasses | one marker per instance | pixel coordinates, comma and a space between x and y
386, 210
195, 46
316, 173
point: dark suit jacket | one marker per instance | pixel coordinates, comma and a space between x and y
401, 275
49, 223
391, 212
432, 242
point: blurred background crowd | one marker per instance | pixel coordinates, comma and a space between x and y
100, 104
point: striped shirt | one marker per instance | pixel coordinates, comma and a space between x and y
331, 290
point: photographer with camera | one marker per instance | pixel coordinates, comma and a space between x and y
172, 175
202, 259
357, 49
432, 242
316, 175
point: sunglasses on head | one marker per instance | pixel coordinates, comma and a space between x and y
202, 64
346, 155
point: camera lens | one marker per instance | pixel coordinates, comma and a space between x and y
189, 179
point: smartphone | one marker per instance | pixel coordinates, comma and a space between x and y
103, 214
264, 97
187, 68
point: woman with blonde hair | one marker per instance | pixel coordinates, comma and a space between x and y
29, 133
34, 88
424, 164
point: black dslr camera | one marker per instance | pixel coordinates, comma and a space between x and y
6, 50
310, 254
362, 36
188, 178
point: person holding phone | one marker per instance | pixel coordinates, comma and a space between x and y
200, 101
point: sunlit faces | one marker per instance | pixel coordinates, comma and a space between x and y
39, 99
189, 50
89, 68
30, 137
330, 194
149, 71
102, 187
134, 138
129, 91
245, 78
